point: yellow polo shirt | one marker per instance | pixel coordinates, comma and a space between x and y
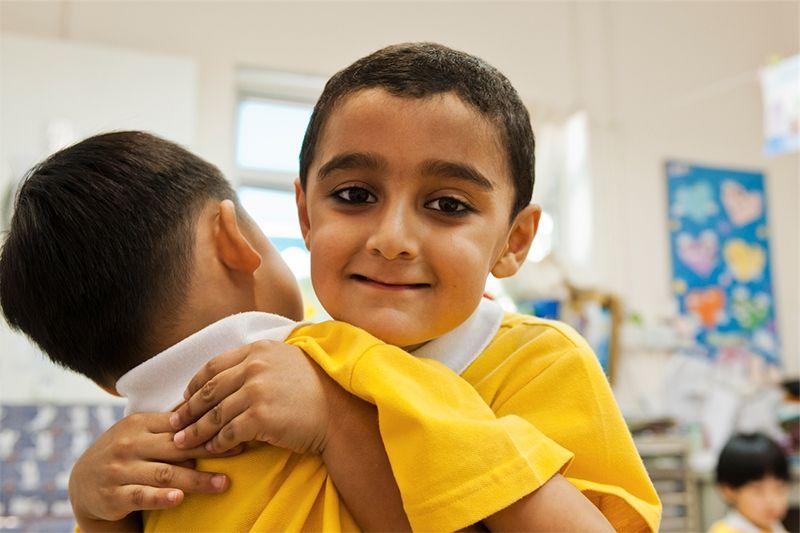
455, 462
546, 373
457, 456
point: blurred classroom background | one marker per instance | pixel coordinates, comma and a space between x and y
667, 167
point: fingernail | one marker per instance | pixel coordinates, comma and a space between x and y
173, 495
209, 447
180, 437
175, 420
218, 481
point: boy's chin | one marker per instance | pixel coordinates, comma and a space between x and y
407, 336
405, 328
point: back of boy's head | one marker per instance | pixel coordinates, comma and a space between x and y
750, 457
99, 251
419, 70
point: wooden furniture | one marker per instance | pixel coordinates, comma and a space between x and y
666, 460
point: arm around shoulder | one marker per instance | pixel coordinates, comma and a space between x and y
553, 380
555, 506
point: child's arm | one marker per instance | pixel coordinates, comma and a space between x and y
271, 392
556, 506
130, 524
548, 360
134, 466
357, 462
453, 424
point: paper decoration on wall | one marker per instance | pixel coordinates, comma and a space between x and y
695, 202
780, 89
720, 260
700, 254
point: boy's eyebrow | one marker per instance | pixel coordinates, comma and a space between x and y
351, 160
453, 169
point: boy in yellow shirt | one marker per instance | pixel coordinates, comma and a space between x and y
416, 176
120, 210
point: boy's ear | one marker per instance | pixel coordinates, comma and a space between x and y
518, 242
302, 211
233, 248
728, 494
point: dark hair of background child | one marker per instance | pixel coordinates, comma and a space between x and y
750, 457
418, 70
99, 249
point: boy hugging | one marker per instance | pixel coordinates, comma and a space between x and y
422, 405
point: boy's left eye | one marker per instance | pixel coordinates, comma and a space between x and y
449, 205
354, 195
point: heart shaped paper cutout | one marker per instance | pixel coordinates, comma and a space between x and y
742, 206
707, 305
699, 254
746, 262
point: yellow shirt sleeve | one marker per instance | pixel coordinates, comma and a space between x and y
454, 460
546, 373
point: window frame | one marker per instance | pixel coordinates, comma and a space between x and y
275, 86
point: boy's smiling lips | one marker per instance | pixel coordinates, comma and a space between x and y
387, 284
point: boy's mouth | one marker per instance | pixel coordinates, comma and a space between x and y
388, 285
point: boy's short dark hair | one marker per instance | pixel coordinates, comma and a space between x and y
749, 457
418, 70
99, 249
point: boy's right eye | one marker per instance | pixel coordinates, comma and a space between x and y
355, 195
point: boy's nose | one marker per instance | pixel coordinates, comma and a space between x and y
394, 236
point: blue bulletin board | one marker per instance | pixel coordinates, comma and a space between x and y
721, 274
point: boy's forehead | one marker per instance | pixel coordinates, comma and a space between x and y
446, 108
400, 129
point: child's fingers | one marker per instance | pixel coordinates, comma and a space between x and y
243, 428
152, 422
142, 498
200, 452
168, 476
158, 447
215, 390
220, 363
212, 422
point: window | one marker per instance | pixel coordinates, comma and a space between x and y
272, 113
269, 135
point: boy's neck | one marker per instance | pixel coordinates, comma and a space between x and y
416, 346
190, 320
157, 384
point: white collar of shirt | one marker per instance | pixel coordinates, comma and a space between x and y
158, 383
458, 348
736, 521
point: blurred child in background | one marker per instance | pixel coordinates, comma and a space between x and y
753, 477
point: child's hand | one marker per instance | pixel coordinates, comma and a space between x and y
134, 466
267, 391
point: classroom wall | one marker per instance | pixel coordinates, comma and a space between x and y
658, 80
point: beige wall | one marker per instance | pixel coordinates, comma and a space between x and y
659, 80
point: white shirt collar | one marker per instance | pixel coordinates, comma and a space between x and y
738, 522
158, 383
458, 348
